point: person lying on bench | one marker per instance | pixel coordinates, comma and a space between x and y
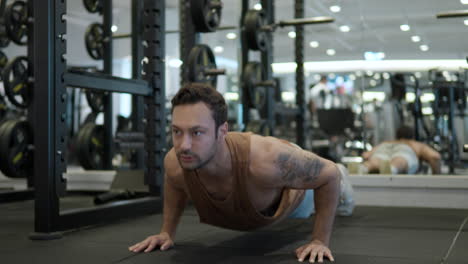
400, 156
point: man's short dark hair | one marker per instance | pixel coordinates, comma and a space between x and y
192, 93
405, 132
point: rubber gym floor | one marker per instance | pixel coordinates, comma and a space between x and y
372, 235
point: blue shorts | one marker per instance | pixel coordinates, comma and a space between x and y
306, 208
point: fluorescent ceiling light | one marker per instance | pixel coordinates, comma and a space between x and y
377, 66
345, 28
292, 34
405, 27
427, 111
374, 56
231, 35
465, 22
114, 28
424, 47
465, 2
258, 6
230, 96
288, 96
175, 63
410, 97
335, 8
415, 38
331, 52
218, 49
314, 44
427, 97
371, 96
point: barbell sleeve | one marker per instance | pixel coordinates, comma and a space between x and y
306, 21
456, 13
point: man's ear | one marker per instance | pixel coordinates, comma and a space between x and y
223, 129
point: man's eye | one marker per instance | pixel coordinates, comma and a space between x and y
197, 133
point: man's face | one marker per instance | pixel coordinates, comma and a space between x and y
193, 135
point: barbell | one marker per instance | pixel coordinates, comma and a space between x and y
256, 27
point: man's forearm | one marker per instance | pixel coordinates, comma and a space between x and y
326, 201
435, 166
174, 205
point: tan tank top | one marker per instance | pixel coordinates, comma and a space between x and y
237, 211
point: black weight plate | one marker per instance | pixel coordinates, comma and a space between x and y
4, 126
95, 147
93, 6
254, 73
81, 145
16, 22
3, 61
15, 81
95, 100
206, 14
256, 39
94, 41
90, 118
3, 108
91, 147
15, 149
201, 59
4, 39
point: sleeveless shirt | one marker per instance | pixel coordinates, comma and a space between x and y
237, 211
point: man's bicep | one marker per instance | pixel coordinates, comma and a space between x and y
300, 169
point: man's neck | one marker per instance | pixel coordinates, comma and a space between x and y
220, 166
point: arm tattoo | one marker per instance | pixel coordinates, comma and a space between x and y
305, 167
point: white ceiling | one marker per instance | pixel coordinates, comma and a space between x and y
374, 24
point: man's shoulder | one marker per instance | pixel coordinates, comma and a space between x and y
171, 165
264, 152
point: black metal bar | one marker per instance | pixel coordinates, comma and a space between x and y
417, 111
2, 9
266, 61
301, 124
50, 133
17, 195
306, 21
453, 137
243, 60
107, 83
155, 111
188, 36
46, 153
124, 36
137, 57
130, 136
30, 50
105, 213
108, 105
456, 13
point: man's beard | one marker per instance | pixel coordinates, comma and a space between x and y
197, 163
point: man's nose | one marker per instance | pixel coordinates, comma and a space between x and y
186, 143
